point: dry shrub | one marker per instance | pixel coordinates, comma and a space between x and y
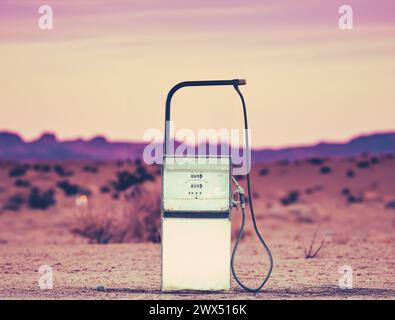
95, 227
41, 199
14, 202
390, 204
326, 170
291, 198
17, 171
135, 218
311, 252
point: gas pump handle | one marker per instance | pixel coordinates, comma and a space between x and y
203, 83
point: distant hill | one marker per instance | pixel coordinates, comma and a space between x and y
380, 143
48, 147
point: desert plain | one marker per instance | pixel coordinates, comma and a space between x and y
329, 223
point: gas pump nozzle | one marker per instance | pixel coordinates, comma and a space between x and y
240, 191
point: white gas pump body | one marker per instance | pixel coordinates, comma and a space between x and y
196, 223
196, 212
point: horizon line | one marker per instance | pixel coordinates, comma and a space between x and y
284, 147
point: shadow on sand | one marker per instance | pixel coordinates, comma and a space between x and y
331, 291
308, 292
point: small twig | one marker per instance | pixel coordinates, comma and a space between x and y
313, 253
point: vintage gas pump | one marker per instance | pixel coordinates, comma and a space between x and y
197, 199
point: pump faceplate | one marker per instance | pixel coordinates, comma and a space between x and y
196, 184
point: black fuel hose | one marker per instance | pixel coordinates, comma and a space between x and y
261, 240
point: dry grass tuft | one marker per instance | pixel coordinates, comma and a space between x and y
311, 253
135, 218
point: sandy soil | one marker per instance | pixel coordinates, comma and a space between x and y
360, 235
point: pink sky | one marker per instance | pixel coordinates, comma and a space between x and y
107, 66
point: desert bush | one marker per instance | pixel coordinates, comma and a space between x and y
345, 191
313, 189
158, 170
310, 252
325, 170
20, 183
90, 169
309, 190
18, 171
124, 181
68, 188
148, 206
42, 200
291, 198
97, 230
42, 167
143, 175
45, 168
316, 161
115, 196
152, 228
390, 204
84, 191
350, 173
62, 172
351, 199
138, 219
264, 172
105, 189
374, 160
14, 202
71, 189
138, 162
363, 164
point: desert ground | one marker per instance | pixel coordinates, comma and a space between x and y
96, 224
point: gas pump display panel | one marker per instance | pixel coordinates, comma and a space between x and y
196, 184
